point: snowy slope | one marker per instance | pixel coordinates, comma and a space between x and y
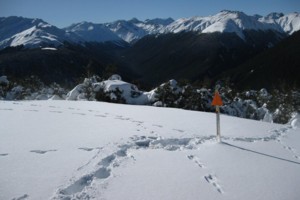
290, 23
135, 29
237, 22
127, 30
155, 26
92, 150
91, 32
16, 31
225, 21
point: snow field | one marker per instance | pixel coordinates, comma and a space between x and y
94, 150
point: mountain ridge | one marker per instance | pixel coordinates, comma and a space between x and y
31, 33
34, 32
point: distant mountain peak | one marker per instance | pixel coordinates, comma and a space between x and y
230, 11
238, 13
274, 15
160, 21
90, 32
29, 32
134, 20
135, 29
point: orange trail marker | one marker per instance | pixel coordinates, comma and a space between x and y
217, 101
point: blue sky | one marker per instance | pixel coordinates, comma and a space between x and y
63, 13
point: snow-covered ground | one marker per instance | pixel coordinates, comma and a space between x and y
93, 150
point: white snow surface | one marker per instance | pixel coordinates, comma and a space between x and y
95, 150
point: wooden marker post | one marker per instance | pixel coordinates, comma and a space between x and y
217, 101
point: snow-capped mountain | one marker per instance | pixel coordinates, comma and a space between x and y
224, 21
285, 23
34, 32
134, 29
290, 22
91, 32
237, 22
16, 31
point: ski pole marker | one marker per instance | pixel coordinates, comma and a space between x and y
217, 101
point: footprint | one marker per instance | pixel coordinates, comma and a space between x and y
157, 125
105, 162
121, 153
78, 114
31, 110
100, 116
42, 151
288, 148
152, 137
53, 111
102, 173
86, 149
6, 109
181, 131
291, 150
121, 118
196, 160
25, 196
78, 185
143, 143
136, 121
214, 182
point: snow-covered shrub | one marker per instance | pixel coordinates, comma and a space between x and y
30, 88
168, 93
3, 81
83, 91
111, 90
195, 99
3, 86
16, 93
295, 120
274, 106
115, 77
